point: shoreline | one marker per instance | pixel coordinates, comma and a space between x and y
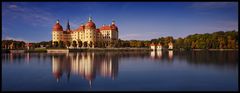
111, 49
214, 49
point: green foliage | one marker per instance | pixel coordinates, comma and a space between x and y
68, 43
55, 45
216, 40
85, 44
80, 43
74, 43
61, 44
90, 44
7, 44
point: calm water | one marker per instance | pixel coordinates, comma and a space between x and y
121, 71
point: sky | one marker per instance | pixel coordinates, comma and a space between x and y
33, 21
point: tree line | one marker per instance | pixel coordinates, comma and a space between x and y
12, 44
215, 40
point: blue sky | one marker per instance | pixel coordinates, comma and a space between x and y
33, 21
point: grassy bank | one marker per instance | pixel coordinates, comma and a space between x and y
120, 49
223, 49
5, 51
115, 49
37, 50
207, 50
110, 49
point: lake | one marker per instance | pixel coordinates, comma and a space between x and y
121, 71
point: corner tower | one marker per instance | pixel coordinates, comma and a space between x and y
57, 31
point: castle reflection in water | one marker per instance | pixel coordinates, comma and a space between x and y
90, 64
106, 64
86, 65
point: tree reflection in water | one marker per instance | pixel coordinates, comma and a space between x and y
106, 64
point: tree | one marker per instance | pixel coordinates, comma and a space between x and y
222, 42
61, 44
102, 44
55, 44
96, 44
80, 43
154, 40
50, 45
90, 43
146, 43
85, 44
179, 43
68, 43
142, 44
74, 43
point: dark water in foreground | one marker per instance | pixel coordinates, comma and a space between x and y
121, 71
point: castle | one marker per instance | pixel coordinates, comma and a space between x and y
86, 35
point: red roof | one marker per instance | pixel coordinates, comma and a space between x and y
74, 30
57, 27
90, 24
81, 28
105, 28
155, 44
67, 32
152, 44
28, 44
110, 27
114, 27
159, 44
97, 30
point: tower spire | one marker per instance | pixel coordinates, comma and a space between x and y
89, 18
57, 21
68, 26
113, 22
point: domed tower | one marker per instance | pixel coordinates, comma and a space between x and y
90, 24
57, 31
113, 26
81, 34
114, 29
90, 33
